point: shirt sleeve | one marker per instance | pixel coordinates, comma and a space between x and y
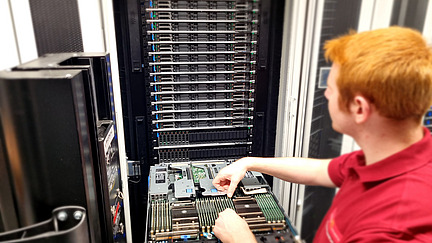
338, 168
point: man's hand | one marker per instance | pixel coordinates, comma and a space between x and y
229, 227
228, 178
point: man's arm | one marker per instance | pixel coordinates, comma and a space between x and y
231, 228
298, 170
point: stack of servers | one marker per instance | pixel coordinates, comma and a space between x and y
201, 72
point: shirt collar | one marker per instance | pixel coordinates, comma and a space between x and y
414, 156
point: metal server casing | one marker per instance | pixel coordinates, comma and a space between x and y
183, 205
97, 83
47, 147
201, 63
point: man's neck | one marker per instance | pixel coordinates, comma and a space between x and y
387, 138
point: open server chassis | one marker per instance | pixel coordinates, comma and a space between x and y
183, 205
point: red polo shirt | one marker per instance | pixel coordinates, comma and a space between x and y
388, 201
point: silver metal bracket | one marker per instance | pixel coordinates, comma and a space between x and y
134, 168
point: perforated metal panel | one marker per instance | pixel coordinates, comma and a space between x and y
56, 26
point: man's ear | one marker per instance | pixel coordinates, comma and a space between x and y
361, 109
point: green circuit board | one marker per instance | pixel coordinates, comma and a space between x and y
198, 173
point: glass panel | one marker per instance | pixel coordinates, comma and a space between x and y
339, 17
428, 119
412, 13
409, 13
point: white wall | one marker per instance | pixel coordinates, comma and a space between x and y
8, 47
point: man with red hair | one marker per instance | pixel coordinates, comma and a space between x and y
379, 88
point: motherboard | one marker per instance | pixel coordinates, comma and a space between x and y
184, 205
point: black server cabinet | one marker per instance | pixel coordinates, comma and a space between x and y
102, 122
46, 145
95, 68
199, 82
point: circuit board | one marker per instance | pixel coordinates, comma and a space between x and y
184, 205
198, 173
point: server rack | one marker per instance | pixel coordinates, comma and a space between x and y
202, 78
199, 83
107, 221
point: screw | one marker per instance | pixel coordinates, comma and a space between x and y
62, 216
77, 215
